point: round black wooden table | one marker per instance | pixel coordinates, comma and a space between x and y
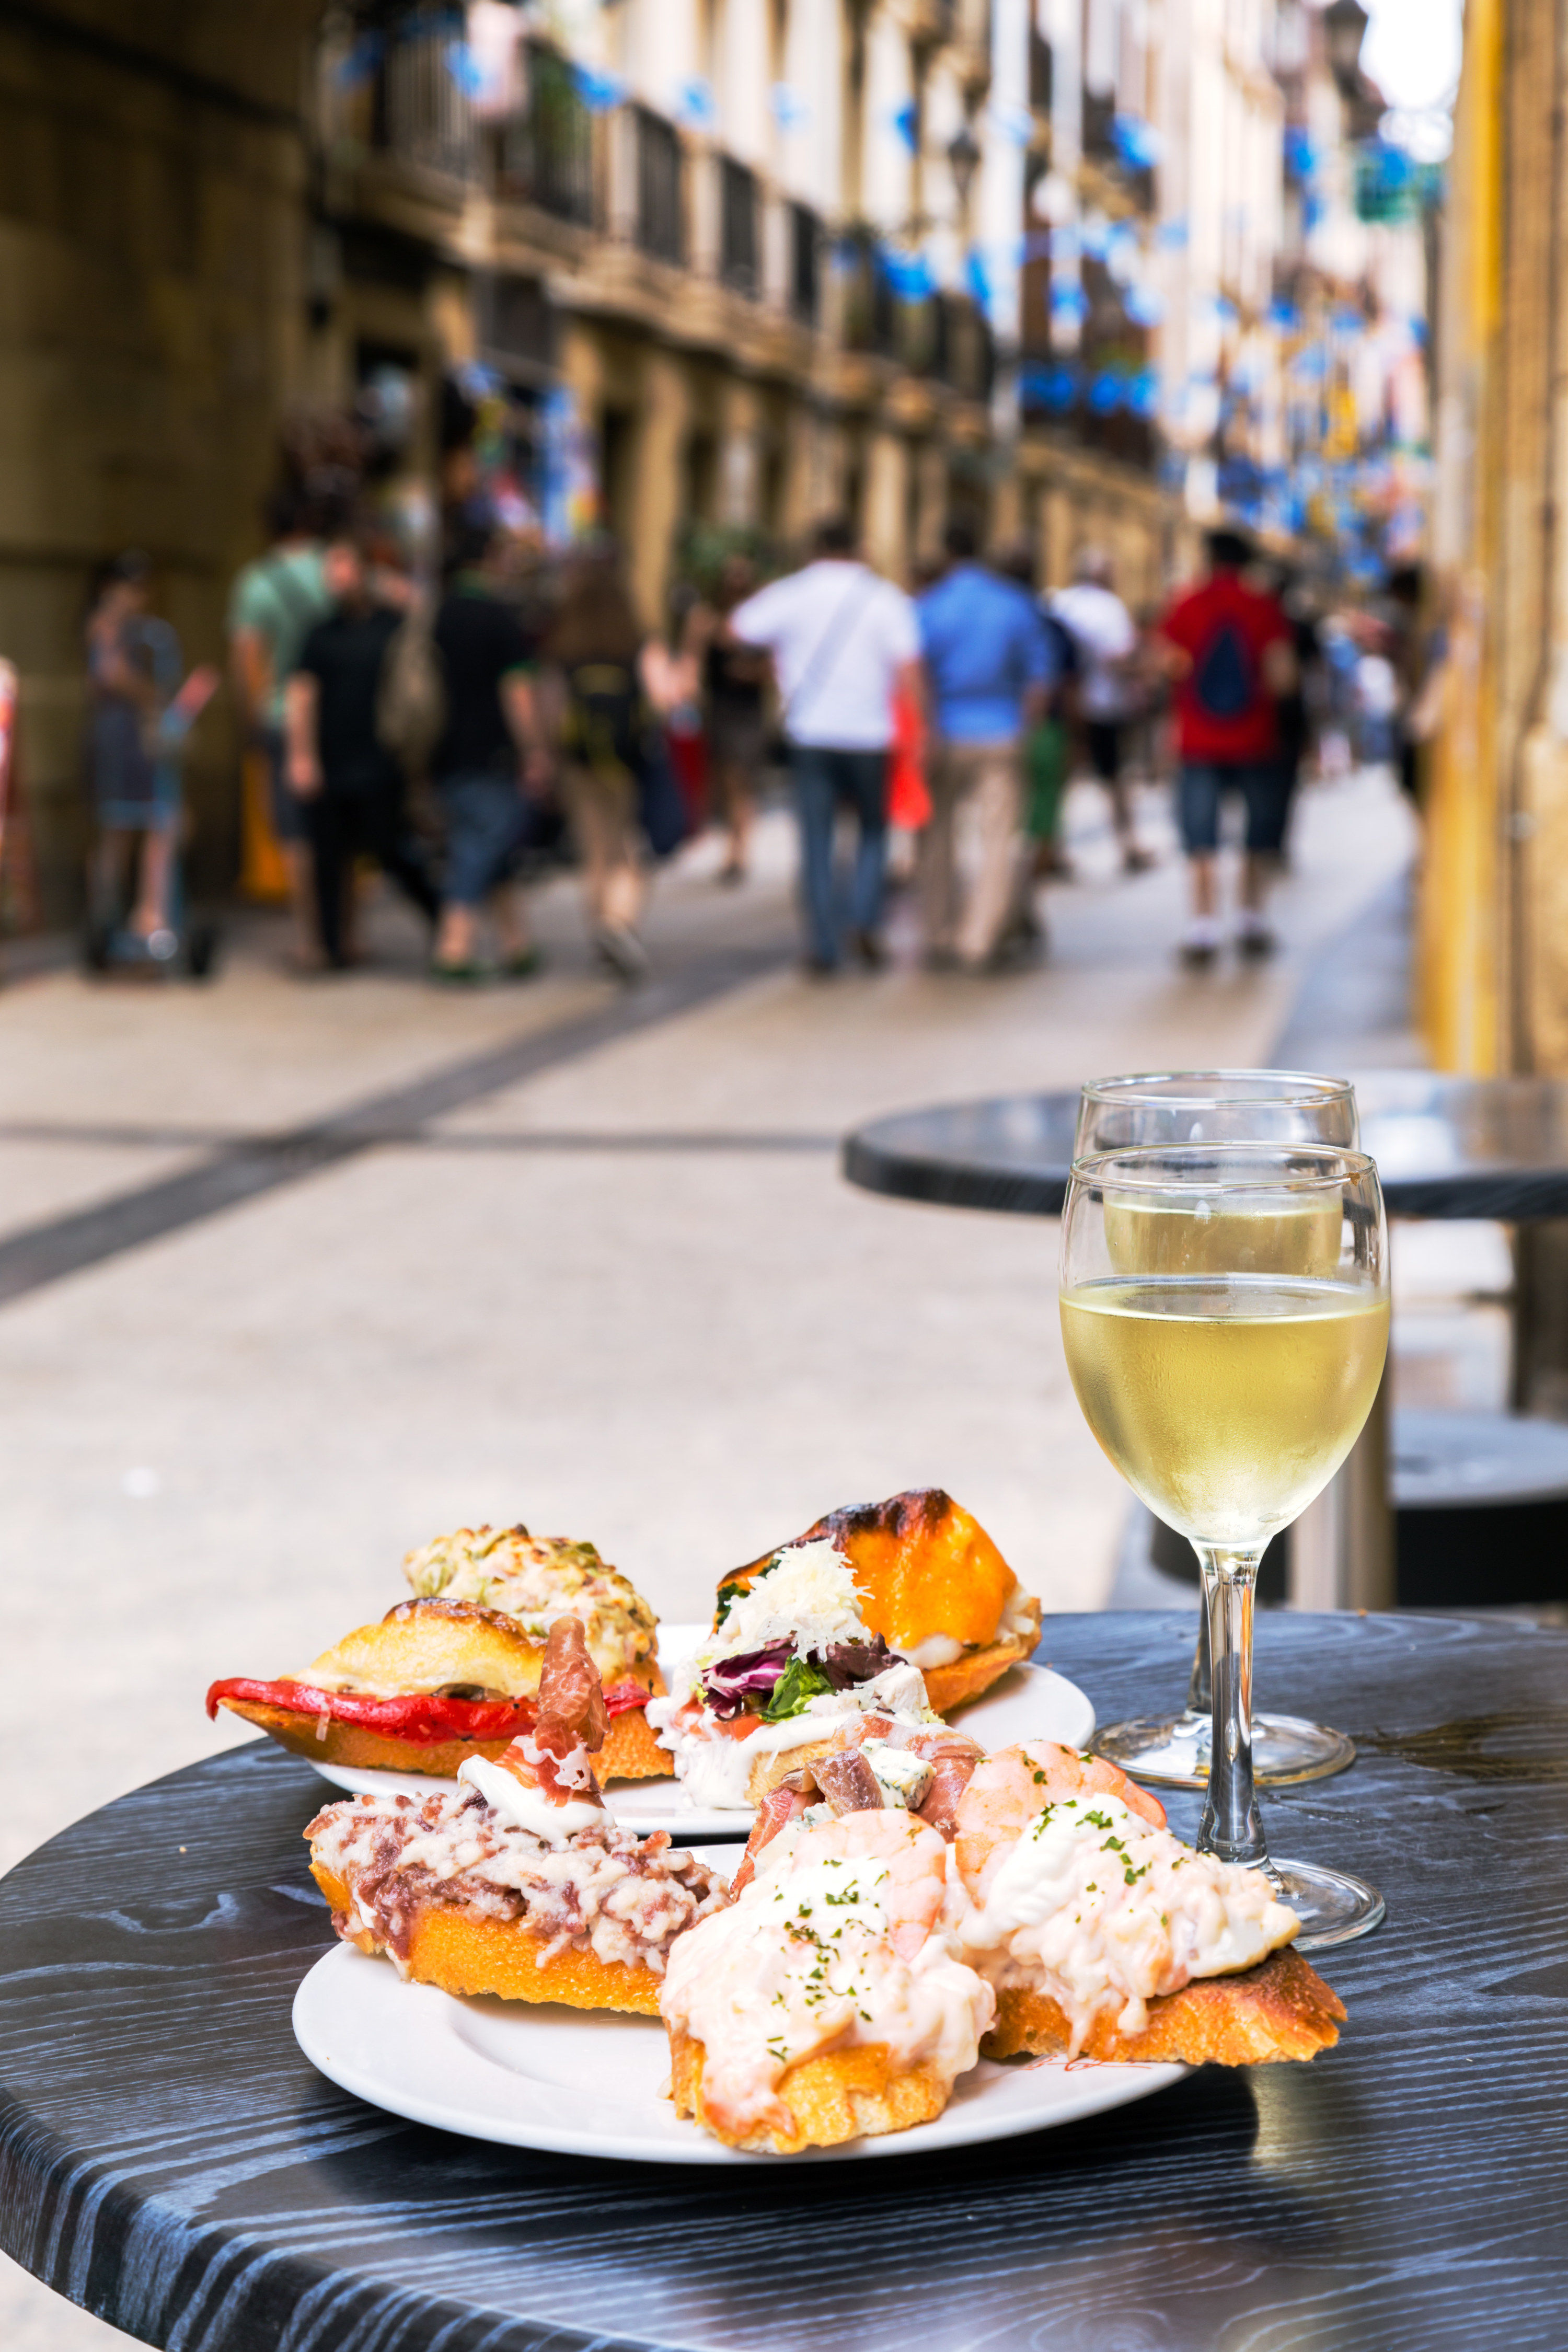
170, 2160
1443, 1146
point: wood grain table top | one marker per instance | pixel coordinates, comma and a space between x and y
171, 2161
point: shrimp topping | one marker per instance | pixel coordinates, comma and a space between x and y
836, 1942
1078, 1891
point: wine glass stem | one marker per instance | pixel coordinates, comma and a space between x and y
1232, 1825
1200, 1690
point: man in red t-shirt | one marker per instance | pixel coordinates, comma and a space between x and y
1230, 651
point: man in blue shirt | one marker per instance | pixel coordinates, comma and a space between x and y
989, 668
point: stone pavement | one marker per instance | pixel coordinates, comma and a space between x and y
298, 1274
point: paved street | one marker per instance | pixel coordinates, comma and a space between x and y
554, 1253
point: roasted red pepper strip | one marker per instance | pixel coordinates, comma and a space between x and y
420, 1719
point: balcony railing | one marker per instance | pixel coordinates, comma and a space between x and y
545, 151
418, 110
738, 208
660, 221
414, 107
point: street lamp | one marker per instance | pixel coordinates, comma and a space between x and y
1344, 28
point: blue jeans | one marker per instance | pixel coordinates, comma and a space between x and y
823, 779
487, 825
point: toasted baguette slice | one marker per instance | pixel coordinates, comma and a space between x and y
433, 1645
837, 2096
1281, 2009
461, 1952
629, 1753
972, 1676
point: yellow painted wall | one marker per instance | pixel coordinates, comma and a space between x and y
1460, 945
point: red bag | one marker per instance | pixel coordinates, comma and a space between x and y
909, 802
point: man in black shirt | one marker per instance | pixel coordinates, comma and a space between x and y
484, 762
350, 786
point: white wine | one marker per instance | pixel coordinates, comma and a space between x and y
1225, 1404
1151, 1236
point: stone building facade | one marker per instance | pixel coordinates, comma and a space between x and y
691, 268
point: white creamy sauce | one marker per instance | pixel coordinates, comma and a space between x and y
936, 1650
832, 1893
1100, 1909
522, 1807
716, 1768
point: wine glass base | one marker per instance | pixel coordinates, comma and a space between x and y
1333, 1907
1173, 1751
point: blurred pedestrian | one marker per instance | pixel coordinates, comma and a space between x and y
1106, 636
1230, 654
734, 690
596, 647
1419, 653
1293, 712
140, 713
988, 672
844, 642
486, 762
274, 605
350, 786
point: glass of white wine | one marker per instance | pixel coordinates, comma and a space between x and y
1227, 1372
1219, 1107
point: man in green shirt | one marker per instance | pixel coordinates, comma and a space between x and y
274, 603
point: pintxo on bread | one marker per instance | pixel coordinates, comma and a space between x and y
518, 1882
790, 1663
826, 2004
455, 1672
931, 1584
1070, 1922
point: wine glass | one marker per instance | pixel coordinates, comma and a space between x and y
1225, 1312
1218, 1107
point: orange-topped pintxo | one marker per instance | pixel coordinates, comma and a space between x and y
933, 1584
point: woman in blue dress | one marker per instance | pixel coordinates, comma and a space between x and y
140, 715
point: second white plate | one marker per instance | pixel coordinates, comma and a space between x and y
1028, 1703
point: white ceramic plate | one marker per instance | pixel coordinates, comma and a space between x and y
1028, 1703
589, 2084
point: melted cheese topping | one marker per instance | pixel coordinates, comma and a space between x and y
835, 1942
536, 1579
1097, 1909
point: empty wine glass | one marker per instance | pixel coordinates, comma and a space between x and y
1224, 1313
1218, 1107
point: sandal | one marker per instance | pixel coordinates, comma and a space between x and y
523, 966
458, 975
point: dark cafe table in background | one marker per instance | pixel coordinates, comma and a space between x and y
171, 2161
1445, 1147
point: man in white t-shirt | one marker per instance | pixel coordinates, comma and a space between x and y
844, 642
1106, 639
